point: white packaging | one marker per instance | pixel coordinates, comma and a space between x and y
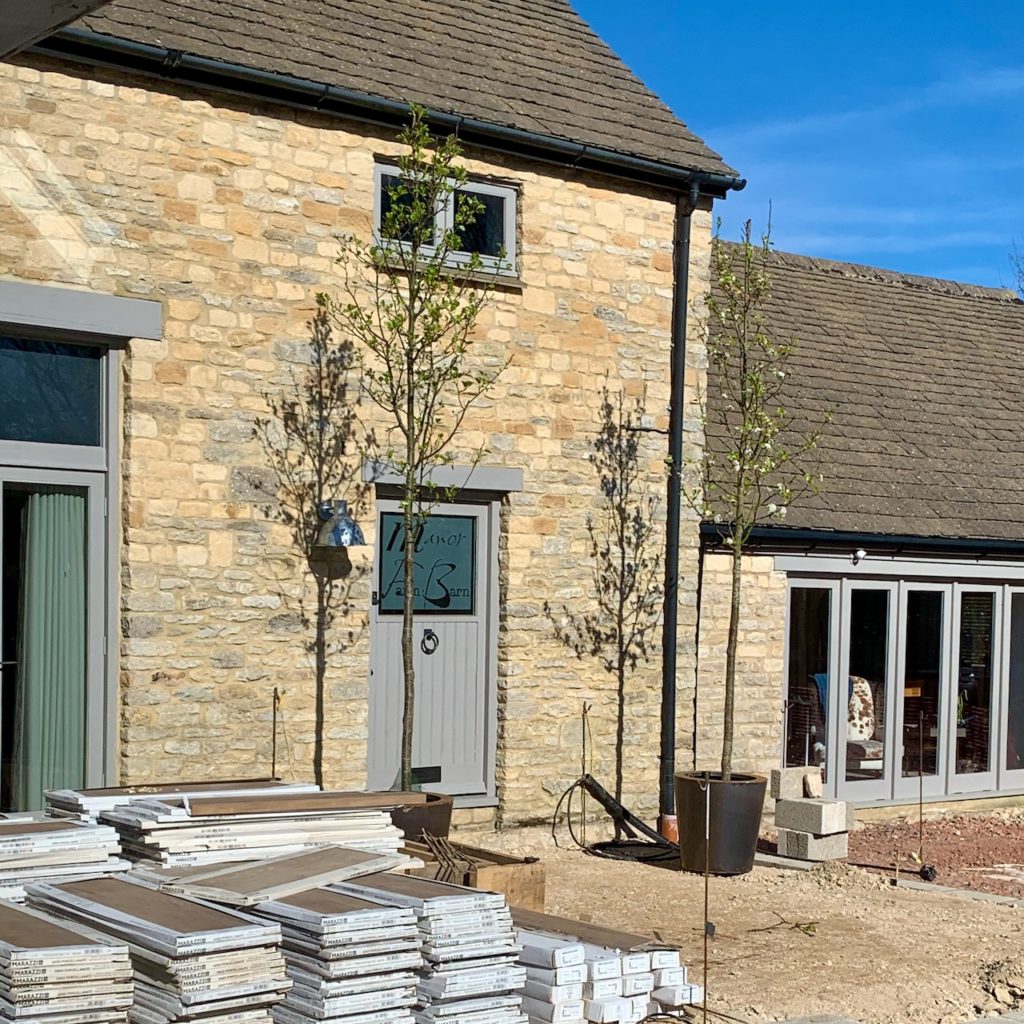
605, 988
609, 966
664, 958
636, 963
574, 974
669, 976
553, 993
547, 951
605, 1011
677, 995
637, 984
638, 1006
557, 1013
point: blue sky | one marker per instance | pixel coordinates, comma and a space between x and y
883, 133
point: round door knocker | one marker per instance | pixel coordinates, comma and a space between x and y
430, 641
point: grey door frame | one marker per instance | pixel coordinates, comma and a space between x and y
99, 703
488, 588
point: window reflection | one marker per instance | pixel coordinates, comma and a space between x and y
50, 392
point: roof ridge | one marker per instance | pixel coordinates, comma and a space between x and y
879, 275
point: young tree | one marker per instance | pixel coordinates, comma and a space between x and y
626, 562
306, 440
410, 302
752, 466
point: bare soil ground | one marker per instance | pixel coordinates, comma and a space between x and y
980, 852
836, 939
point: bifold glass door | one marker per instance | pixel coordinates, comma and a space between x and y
51, 615
930, 698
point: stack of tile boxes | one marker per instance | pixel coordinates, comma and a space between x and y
571, 982
810, 827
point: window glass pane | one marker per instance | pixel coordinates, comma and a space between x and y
1015, 712
922, 674
50, 392
393, 194
445, 570
485, 234
866, 687
810, 612
974, 689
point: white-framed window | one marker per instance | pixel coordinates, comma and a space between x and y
492, 234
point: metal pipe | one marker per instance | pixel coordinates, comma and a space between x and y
173, 65
685, 205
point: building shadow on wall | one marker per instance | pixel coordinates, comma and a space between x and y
311, 440
620, 626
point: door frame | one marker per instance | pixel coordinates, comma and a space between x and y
488, 591
964, 782
1009, 778
98, 700
932, 785
866, 789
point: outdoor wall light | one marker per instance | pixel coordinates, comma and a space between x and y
339, 530
858, 556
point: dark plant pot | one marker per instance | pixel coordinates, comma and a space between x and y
736, 808
434, 817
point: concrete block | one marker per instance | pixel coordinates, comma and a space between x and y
788, 783
851, 817
806, 846
821, 817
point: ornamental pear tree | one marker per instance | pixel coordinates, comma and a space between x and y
754, 462
410, 300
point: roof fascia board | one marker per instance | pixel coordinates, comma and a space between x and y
782, 539
114, 52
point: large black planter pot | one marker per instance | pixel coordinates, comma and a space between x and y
434, 817
736, 808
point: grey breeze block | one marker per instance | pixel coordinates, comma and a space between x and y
821, 817
805, 846
788, 783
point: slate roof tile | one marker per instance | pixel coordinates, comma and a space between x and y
529, 64
925, 379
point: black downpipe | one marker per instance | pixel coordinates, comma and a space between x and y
685, 205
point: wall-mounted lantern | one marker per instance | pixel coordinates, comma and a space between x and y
339, 529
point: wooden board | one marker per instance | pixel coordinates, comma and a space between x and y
594, 934
246, 885
328, 901
297, 802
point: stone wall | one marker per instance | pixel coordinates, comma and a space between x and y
228, 214
759, 664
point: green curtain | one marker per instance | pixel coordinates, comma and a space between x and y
49, 728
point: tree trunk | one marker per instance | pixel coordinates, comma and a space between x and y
730, 661
323, 591
408, 670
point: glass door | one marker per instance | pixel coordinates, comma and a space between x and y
52, 608
922, 712
865, 751
1011, 741
971, 718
